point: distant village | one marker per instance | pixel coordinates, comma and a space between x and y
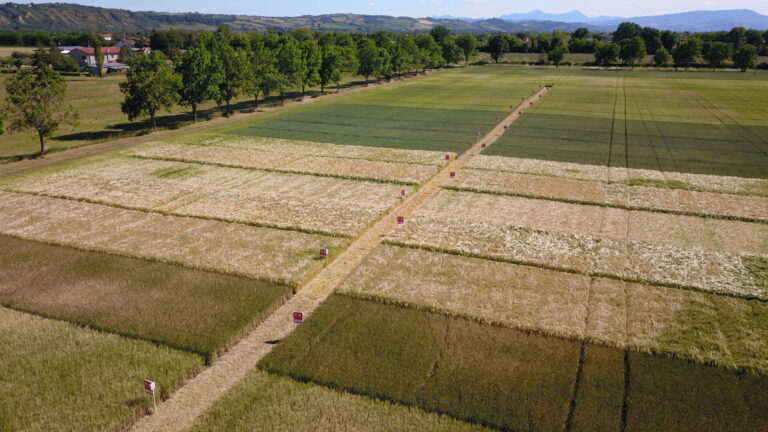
85, 57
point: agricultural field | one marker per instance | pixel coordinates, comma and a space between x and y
440, 113
704, 123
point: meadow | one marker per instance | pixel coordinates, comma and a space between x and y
668, 121
439, 113
68, 378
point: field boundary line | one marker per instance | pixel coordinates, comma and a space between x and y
51, 158
184, 406
611, 205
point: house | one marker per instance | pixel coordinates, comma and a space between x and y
106, 36
65, 50
85, 57
135, 45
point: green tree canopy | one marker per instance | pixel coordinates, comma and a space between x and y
468, 45
34, 100
632, 50
370, 59
557, 55
289, 65
686, 52
150, 86
718, 53
497, 46
745, 57
607, 54
661, 57
200, 78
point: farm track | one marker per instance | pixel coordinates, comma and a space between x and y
179, 412
88, 150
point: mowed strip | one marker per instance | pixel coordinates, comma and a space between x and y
268, 402
675, 201
707, 328
396, 166
308, 203
483, 226
67, 378
280, 256
189, 309
628, 176
505, 378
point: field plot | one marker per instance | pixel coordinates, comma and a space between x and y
505, 378
440, 113
309, 203
67, 378
678, 122
482, 225
684, 324
707, 204
628, 176
279, 256
365, 163
188, 309
267, 402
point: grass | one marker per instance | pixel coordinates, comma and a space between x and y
668, 121
688, 325
478, 373
284, 200
6, 51
67, 378
279, 256
509, 379
267, 402
440, 113
187, 309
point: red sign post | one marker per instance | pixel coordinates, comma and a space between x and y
402, 192
323, 253
298, 317
447, 157
149, 388
453, 174
400, 220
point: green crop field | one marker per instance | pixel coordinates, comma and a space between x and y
440, 113
698, 122
63, 377
509, 379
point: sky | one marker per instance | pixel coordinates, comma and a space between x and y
426, 8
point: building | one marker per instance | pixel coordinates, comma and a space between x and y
85, 57
136, 45
65, 50
106, 36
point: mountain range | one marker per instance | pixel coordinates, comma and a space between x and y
73, 17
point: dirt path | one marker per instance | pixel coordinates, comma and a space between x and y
11, 168
180, 411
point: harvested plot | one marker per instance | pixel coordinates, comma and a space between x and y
67, 378
342, 167
628, 176
188, 309
267, 402
440, 113
483, 374
279, 256
308, 203
684, 324
705, 204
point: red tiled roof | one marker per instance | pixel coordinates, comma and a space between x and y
104, 50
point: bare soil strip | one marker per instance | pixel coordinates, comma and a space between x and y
179, 412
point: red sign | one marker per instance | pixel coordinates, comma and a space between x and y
298, 317
400, 220
497, 119
402, 192
447, 157
149, 387
453, 174
323, 253
482, 145
506, 127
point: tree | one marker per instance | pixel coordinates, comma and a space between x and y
468, 45
42, 57
718, 53
737, 36
370, 60
557, 55
686, 52
661, 58
35, 101
626, 30
451, 51
652, 39
632, 50
289, 65
150, 86
580, 33
430, 51
745, 57
312, 59
265, 77
607, 54
440, 33
497, 46
668, 40
98, 55
233, 65
331, 66
199, 78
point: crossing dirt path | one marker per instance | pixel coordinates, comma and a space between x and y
179, 412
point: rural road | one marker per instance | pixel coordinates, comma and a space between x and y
180, 411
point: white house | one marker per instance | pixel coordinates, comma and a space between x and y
85, 57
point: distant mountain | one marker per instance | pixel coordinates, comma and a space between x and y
73, 17
696, 21
568, 17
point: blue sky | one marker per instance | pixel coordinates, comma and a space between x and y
424, 8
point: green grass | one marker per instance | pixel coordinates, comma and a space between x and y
61, 377
758, 269
442, 113
267, 402
6, 51
189, 309
698, 122
177, 172
483, 374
